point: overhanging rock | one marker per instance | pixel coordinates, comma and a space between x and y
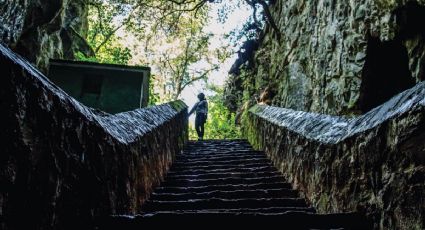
374, 164
64, 164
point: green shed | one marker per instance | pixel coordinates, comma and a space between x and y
108, 87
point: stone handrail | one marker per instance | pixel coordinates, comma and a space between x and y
373, 164
64, 164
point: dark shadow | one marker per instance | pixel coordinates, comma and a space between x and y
409, 19
385, 73
386, 70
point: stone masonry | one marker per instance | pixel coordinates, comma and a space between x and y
373, 164
64, 164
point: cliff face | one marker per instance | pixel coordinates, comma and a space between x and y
336, 57
43, 29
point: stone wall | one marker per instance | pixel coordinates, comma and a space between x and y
339, 57
44, 29
373, 164
64, 164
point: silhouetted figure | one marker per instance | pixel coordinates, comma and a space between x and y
201, 109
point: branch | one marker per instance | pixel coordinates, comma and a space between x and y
167, 59
185, 64
164, 8
111, 33
202, 76
267, 14
196, 7
181, 2
107, 37
100, 26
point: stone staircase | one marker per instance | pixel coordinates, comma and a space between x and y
228, 180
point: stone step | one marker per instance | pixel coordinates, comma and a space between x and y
258, 193
299, 220
236, 211
199, 157
223, 148
247, 160
216, 152
219, 166
216, 203
260, 169
218, 149
212, 175
222, 153
226, 187
222, 181
218, 143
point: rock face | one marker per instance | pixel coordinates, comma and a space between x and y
63, 164
373, 164
44, 29
336, 57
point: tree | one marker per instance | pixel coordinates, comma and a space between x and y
171, 33
183, 59
167, 35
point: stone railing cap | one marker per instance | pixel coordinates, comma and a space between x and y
125, 127
333, 129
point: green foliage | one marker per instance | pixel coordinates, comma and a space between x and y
117, 55
220, 123
170, 37
166, 35
154, 97
81, 57
111, 55
102, 34
182, 55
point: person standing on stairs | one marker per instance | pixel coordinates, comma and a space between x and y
201, 109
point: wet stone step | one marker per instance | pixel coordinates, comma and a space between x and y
213, 175
214, 203
219, 141
235, 194
247, 160
217, 144
223, 148
219, 153
222, 181
299, 220
237, 211
222, 158
260, 169
219, 157
219, 166
227, 187
227, 152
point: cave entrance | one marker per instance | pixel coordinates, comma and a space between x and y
385, 73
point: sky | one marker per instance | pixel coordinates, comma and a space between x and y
235, 20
